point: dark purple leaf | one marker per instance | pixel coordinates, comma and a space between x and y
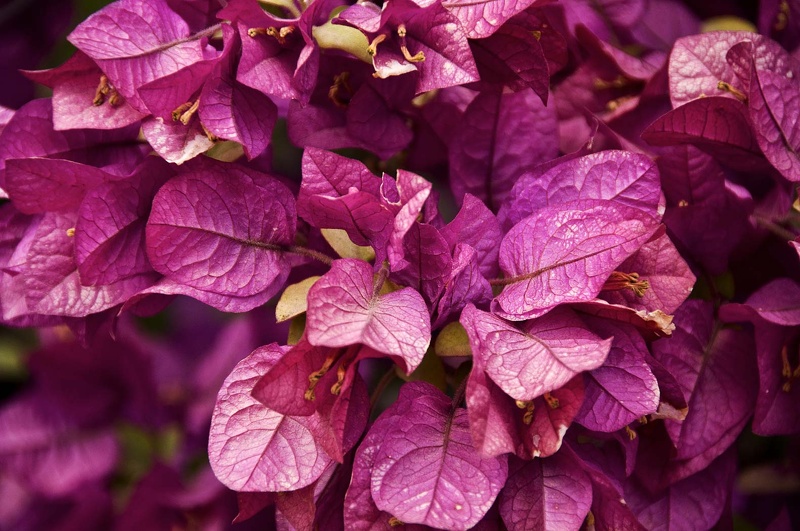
780, 20
513, 57
476, 226
720, 126
777, 302
486, 157
43, 447
714, 366
623, 389
699, 196
565, 253
777, 402
693, 503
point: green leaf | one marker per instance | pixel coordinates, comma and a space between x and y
344, 246
453, 341
294, 300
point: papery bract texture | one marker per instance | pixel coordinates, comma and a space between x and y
486, 156
775, 111
30, 133
46, 279
697, 64
627, 178
482, 20
565, 254
137, 41
548, 493
499, 426
668, 277
39, 184
224, 231
537, 358
255, 449
693, 503
109, 233
344, 308
714, 366
74, 86
624, 388
426, 470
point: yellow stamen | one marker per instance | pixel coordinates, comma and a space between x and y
727, 87
341, 83
341, 372
552, 401
316, 376
630, 432
416, 58
187, 115
372, 49
619, 281
103, 88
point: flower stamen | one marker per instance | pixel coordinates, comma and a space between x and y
416, 58
341, 86
528, 406
736, 93
372, 49
620, 281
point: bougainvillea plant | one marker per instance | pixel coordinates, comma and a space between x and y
414, 264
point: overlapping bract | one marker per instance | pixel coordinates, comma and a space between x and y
537, 321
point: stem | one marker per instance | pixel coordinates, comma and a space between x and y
310, 253
458, 396
380, 279
774, 228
